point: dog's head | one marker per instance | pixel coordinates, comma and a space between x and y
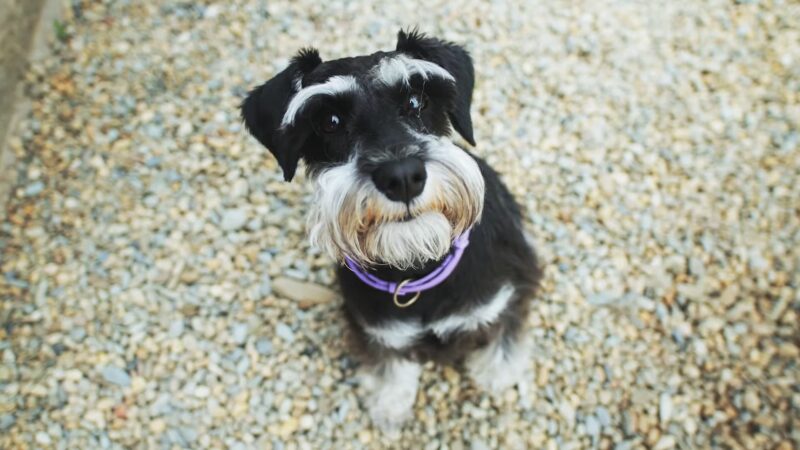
391, 187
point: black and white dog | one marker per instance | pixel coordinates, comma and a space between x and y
433, 260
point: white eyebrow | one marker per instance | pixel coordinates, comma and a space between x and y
335, 85
400, 68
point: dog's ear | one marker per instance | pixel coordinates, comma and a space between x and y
264, 107
455, 60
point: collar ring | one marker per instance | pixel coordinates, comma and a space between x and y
408, 302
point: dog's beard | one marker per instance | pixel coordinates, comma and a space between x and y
350, 217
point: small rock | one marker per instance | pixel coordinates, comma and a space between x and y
690, 426
115, 375
189, 276
43, 438
176, 328
34, 188
665, 408
202, 391
239, 333
308, 294
629, 423
238, 188
7, 421
185, 129
341, 412
567, 413
592, 426
712, 325
624, 445
603, 416
189, 434
477, 444
157, 426
288, 427
306, 422
265, 287
153, 161
254, 224
77, 334
284, 332
600, 299
665, 443
233, 219
264, 346
212, 11
95, 418
751, 400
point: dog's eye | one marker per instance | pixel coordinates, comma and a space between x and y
330, 123
415, 104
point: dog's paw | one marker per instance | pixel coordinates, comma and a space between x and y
390, 407
495, 380
496, 368
391, 393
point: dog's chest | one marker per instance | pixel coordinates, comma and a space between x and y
399, 334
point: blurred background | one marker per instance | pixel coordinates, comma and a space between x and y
157, 289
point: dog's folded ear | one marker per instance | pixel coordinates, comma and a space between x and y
455, 60
264, 107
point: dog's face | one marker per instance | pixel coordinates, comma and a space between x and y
391, 188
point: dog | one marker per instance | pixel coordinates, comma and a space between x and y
433, 262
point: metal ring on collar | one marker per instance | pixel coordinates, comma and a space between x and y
410, 301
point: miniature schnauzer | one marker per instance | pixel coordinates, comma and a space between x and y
433, 260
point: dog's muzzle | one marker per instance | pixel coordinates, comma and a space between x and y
403, 209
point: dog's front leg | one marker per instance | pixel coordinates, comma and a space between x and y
500, 364
392, 389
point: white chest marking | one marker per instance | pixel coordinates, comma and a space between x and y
478, 317
400, 334
396, 334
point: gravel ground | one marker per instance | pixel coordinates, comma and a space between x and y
157, 289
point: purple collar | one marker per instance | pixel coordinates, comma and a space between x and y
409, 286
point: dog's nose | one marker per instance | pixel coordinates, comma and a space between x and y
400, 180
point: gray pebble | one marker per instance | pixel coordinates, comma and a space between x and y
233, 219
665, 408
77, 334
176, 328
7, 421
34, 188
592, 426
478, 444
153, 161
115, 375
239, 333
341, 412
603, 416
265, 287
284, 332
189, 434
624, 445
264, 346
254, 224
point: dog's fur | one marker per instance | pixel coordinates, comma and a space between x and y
476, 315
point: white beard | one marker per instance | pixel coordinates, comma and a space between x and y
350, 217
